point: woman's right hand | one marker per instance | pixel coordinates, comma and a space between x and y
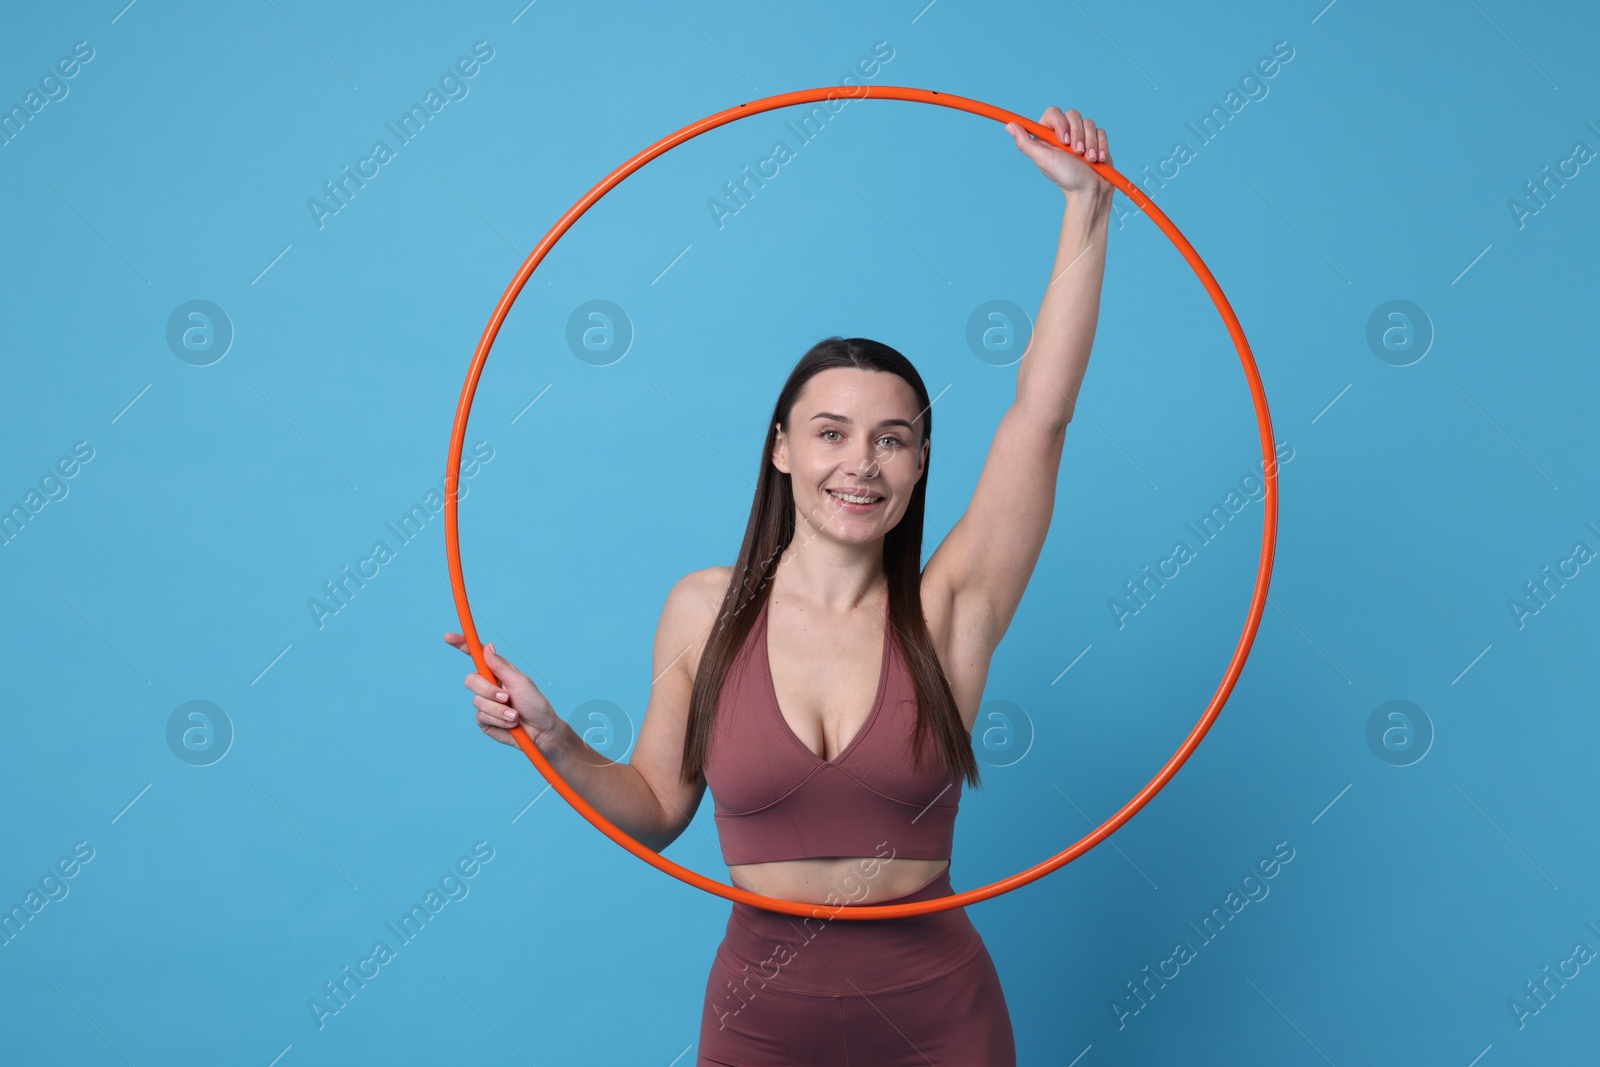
516, 700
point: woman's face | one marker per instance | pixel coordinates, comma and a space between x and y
853, 432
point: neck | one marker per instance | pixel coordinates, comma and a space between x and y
837, 578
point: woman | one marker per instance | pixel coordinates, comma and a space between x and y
824, 687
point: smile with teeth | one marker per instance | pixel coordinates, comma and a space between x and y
854, 500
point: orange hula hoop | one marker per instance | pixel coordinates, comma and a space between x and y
1235, 664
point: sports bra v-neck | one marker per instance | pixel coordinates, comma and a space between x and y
776, 799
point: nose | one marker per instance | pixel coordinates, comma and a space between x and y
868, 466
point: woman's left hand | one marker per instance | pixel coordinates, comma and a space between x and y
1067, 168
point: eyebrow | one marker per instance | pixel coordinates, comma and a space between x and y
848, 422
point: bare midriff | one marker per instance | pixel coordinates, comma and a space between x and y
858, 880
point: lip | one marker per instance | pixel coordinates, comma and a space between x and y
855, 509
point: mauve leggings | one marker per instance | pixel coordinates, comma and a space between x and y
787, 991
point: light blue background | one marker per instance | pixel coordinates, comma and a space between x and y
1379, 166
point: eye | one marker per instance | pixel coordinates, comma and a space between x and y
826, 431
892, 438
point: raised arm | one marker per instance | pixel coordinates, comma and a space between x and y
982, 567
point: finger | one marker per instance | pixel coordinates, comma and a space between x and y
1054, 119
499, 731
1091, 143
1105, 151
500, 664
487, 707
503, 717
459, 641
485, 688
1034, 150
1075, 130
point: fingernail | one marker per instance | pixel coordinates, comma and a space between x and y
499, 696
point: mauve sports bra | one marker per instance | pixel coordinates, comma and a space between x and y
775, 799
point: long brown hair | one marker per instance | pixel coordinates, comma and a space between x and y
768, 533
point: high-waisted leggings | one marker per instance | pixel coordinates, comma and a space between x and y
796, 991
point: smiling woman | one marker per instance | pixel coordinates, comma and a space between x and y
824, 686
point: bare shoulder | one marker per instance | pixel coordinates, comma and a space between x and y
691, 609
686, 618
